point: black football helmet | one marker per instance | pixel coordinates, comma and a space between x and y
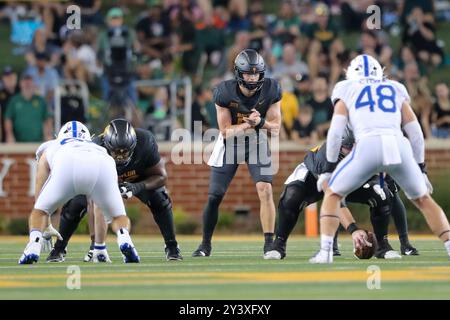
120, 140
348, 139
249, 61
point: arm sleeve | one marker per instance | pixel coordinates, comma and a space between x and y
338, 93
415, 136
334, 137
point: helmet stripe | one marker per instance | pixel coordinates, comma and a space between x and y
366, 66
74, 129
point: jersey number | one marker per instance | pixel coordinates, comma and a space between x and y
385, 101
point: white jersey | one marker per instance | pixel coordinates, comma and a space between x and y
67, 145
374, 106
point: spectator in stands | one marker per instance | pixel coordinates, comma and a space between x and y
353, 14
291, 65
26, 117
289, 106
45, 77
420, 95
80, 57
323, 41
441, 112
41, 45
322, 106
303, 130
421, 34
287, 25
370, 44
153, 31
8, 88
241, 42
259, 30
90, 11
238, 13
406, 56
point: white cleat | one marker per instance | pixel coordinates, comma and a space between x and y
322, 256
392, 254
100, 256
31, 253
272, 255
88, 256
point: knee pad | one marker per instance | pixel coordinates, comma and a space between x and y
159, 200
75, 209
292, 199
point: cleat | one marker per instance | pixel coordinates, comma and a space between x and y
203, 250
277, 251
336, 253
31, 253
130, 254
322, 256
88, 256
385, 251
56, 255
267, 246
408, 250
173, 253
100, 256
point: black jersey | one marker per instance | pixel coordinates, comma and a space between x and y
145, 155
228, 95
316, 160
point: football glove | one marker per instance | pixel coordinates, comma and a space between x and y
47, 242
127, 189
324, 177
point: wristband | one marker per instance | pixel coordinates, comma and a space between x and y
260, 124
352, 227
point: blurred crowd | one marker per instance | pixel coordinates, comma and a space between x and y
306, 46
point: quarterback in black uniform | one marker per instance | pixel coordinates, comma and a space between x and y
248, 112
141, 173
301, 190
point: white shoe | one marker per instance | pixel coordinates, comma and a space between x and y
322, 256
100, 256
272, 255
392, 254
31, 253
88, 256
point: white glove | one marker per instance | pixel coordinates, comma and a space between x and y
428, 183
324, 177
47, 243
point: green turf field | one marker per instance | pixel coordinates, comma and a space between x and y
235, 271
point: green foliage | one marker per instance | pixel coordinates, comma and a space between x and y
226, 220
18, 226
4, 222
134, 213
184, 222
83, 227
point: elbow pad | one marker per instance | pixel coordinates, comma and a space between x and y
334, 137
415, 136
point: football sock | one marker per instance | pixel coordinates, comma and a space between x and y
268, 237
210, 217
326, 242
401, 223
35, 235
123, 236
100, 246
164, 220
92, 242
380, 223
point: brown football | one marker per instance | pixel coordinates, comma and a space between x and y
367, 252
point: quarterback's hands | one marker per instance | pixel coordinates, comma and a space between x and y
360, 239
127, 189
324, 177
47, 243
254, 118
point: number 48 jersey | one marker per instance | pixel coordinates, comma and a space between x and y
374, 106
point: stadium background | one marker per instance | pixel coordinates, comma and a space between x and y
217, 31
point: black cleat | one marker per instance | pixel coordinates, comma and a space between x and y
408, 250
203, 250
173, 253
277, 251
56, 255
385, 251
336, 252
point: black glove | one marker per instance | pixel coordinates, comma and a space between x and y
127, 189
423, 167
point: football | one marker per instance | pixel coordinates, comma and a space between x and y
367, 252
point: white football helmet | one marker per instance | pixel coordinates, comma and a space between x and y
74, 129
364, 66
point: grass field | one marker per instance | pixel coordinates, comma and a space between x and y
236, 270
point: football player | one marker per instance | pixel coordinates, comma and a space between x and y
248, 110
377, 109
301, 190
141, 173
71, 165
